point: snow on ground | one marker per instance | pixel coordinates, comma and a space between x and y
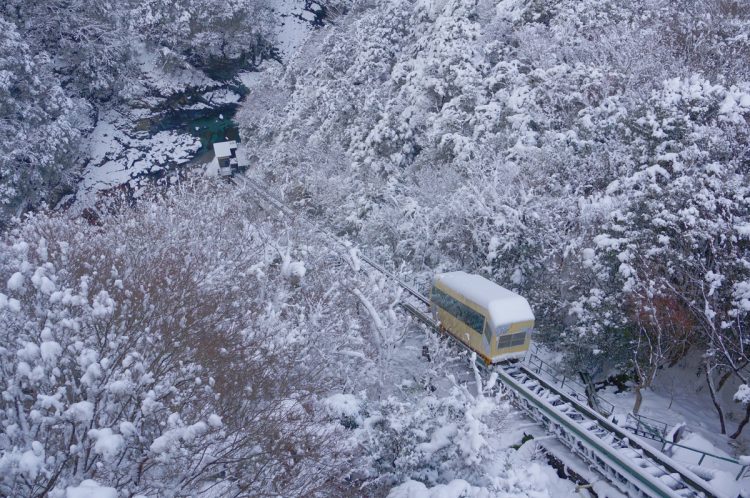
684, 406
158, 75
90, 489
221, 96
294, 28
724, 473
212, 168
119, 155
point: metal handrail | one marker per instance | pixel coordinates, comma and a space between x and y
743, 467
605, 407
651, 419
651, 455
659, 434
651, 428
539, 365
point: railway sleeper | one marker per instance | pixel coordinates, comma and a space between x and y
589, 425
609, 439
604, 469
565, 408
598, 431
673, 480
631, 452
654, 471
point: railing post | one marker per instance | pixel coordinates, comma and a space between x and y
742, 471
701, 460
563, 383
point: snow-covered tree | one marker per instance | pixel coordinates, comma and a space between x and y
588, 154
176, 349
680, 253
432, 439
87, 42
38, 128
206, 32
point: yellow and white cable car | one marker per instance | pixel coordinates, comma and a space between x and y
491, 320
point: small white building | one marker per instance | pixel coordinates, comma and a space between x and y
226, 156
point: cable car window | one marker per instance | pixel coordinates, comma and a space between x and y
503, 342
518, 339
459, 310
511, 340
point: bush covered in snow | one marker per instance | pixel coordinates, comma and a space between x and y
176, 349
164, 353
429, 438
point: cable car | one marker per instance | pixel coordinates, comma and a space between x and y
489, 319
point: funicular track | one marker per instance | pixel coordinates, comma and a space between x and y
633, 468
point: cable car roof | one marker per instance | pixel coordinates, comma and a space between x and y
503, 305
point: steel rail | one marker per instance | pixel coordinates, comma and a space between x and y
656, 457
644, 482
647, 484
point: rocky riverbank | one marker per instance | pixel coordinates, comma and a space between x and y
174, 113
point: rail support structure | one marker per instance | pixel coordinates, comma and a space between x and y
633, 469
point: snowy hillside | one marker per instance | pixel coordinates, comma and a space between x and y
165, 332
592, 156
261, 370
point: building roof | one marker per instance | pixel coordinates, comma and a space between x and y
504, 306
224, 149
